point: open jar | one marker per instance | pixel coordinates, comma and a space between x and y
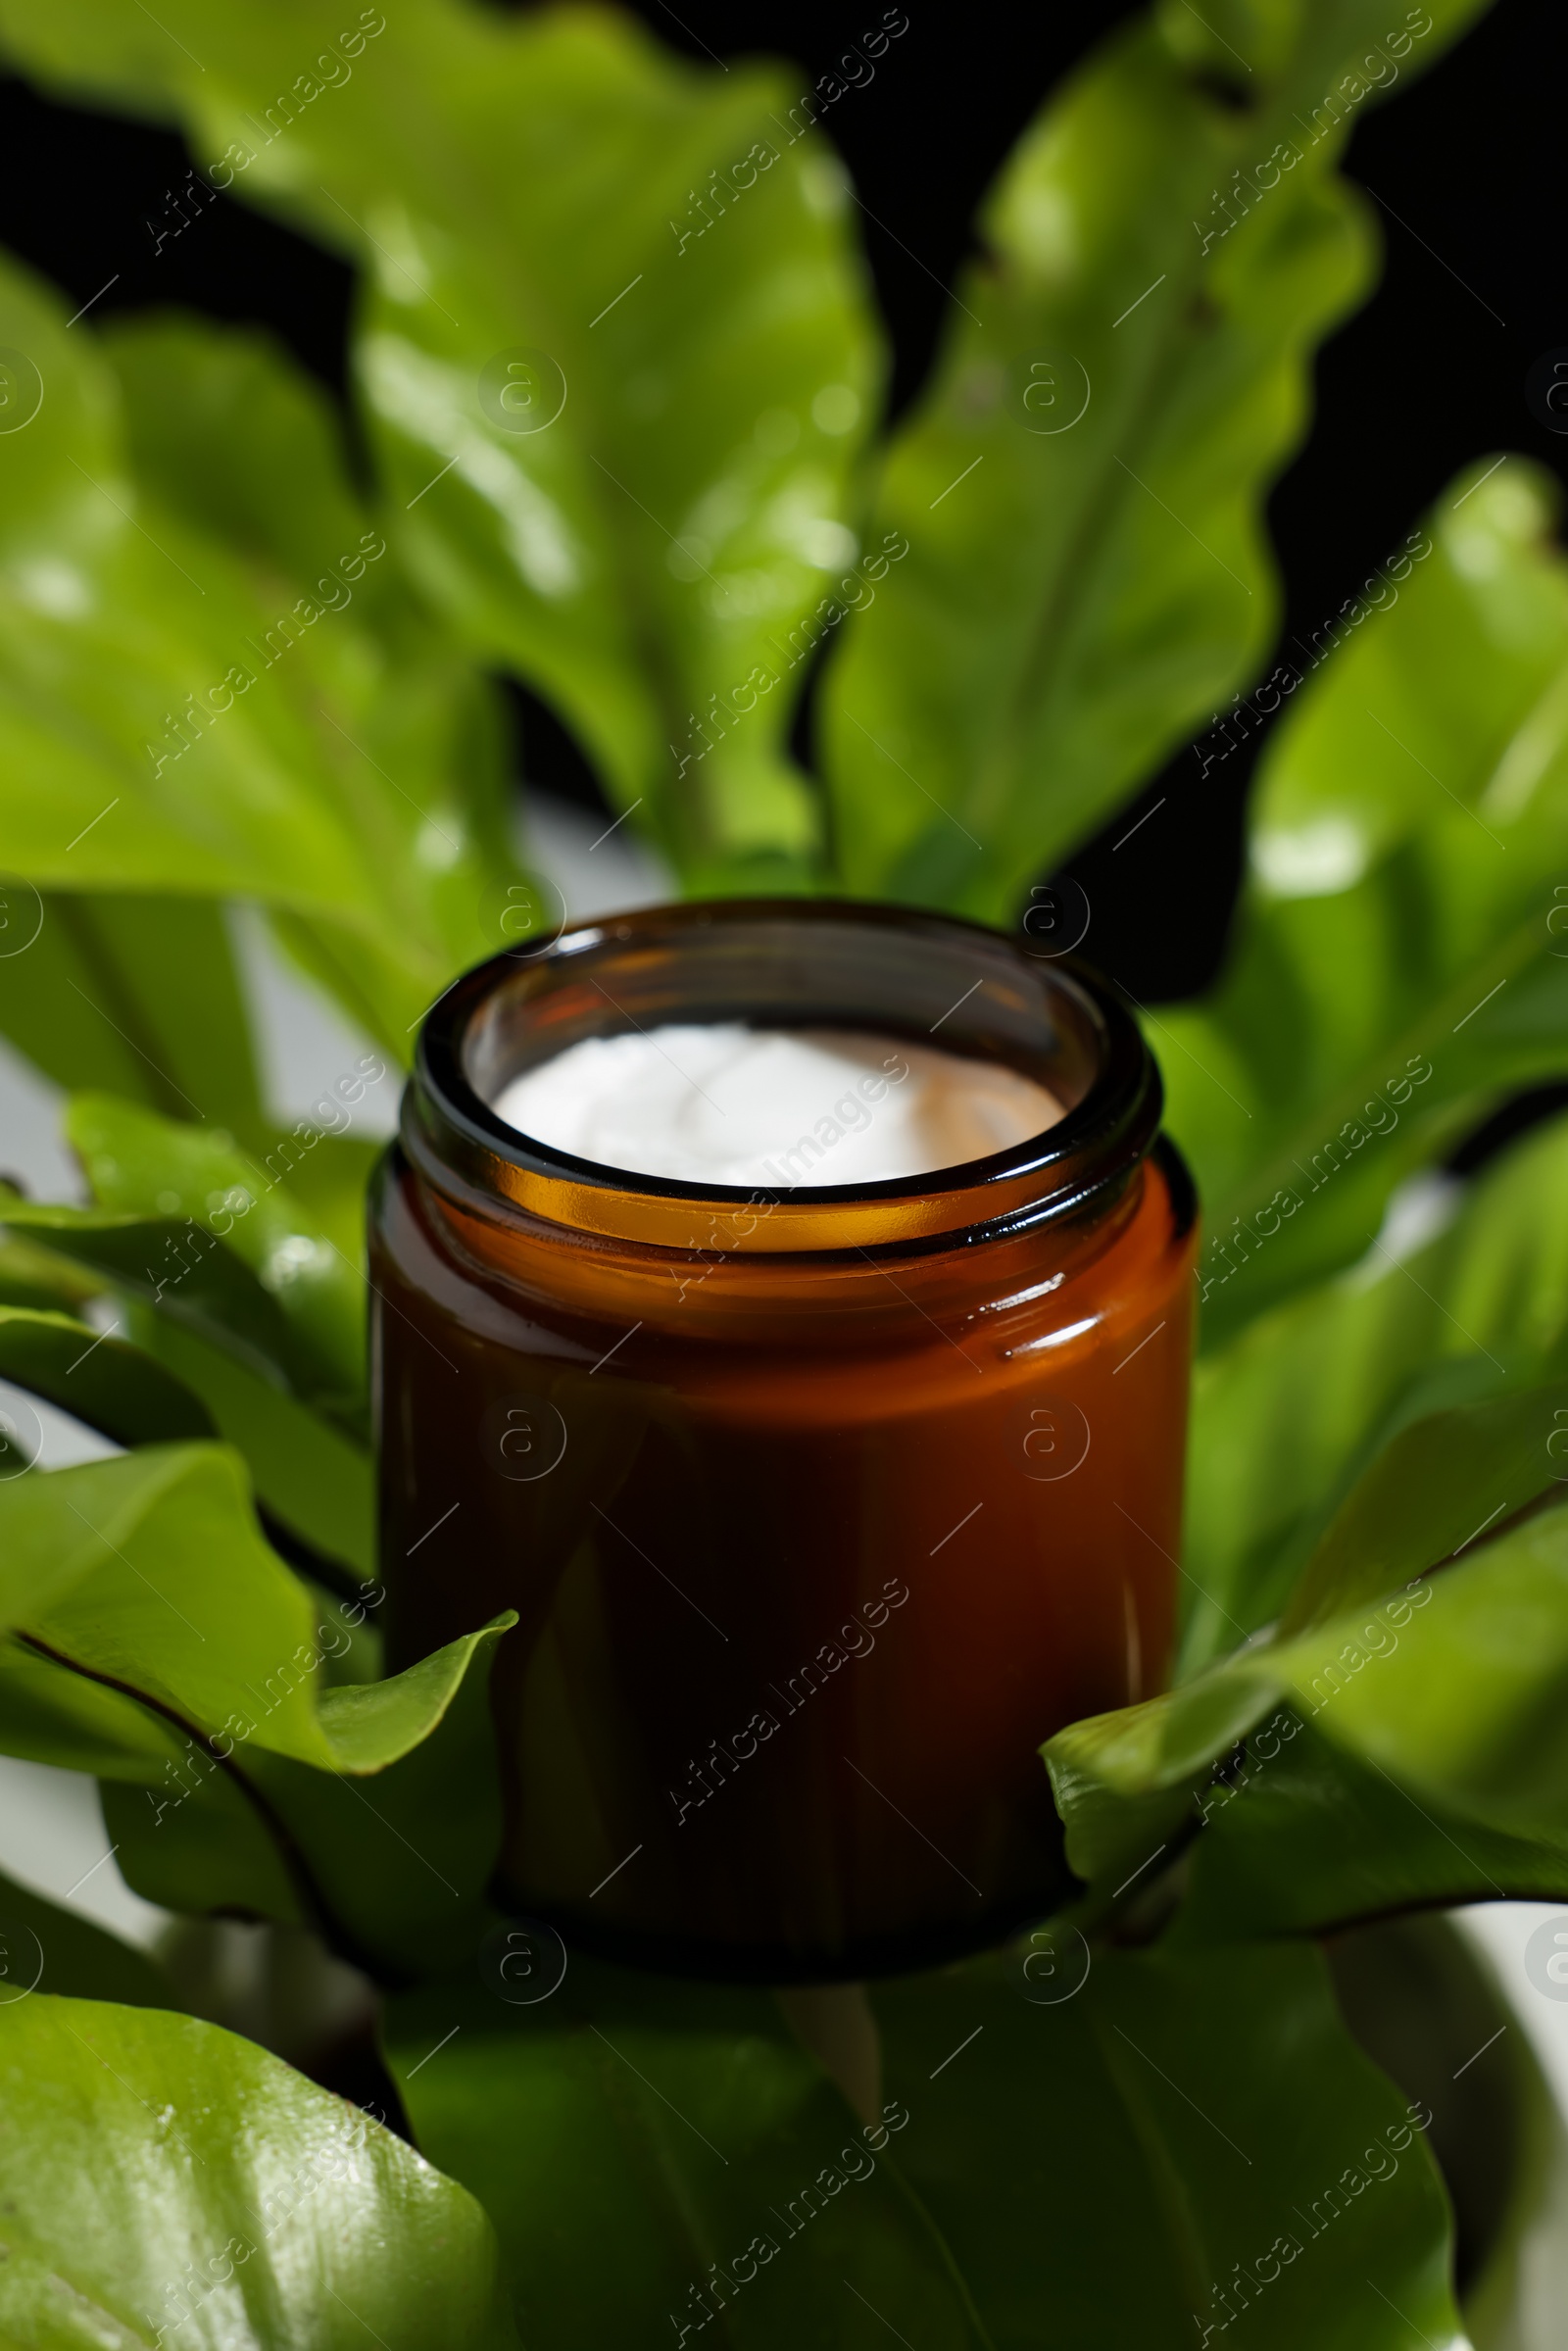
820, 1507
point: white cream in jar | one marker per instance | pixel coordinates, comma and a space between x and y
774, 1108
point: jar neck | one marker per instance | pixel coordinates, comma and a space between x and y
911, 976
960, 1287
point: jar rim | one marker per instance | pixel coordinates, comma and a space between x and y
1050, 1014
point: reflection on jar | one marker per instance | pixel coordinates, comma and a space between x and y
821, 1509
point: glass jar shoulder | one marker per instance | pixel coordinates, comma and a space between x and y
512, 1277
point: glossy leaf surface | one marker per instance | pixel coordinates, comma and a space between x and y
149, 1572
98, 1379
1142, 2111
694, 2114
616, 354
51, 1715
1301, 1836
314, 1481
1301, 1402
102, 997
162, 1643
1452, 1685
1018, 2147
1397, 960
165, 1383
390, 1871
230, 2198
186, 1272
1081, 487
139, 1164
180, 713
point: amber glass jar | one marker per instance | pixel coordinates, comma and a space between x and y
821, 1509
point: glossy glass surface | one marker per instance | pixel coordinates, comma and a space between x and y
818, 1519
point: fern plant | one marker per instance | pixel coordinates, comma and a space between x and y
617, 384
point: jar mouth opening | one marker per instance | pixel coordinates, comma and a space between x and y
783, 963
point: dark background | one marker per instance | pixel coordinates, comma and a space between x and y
1428, 376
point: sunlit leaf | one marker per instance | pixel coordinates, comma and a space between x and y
146, 1579
185, 1271
180, 713
314, 1481
98, 1379
1453, 1685
1300, 1404
659, 255
230, 2198
139, 1164
1301, 1836
51, 1715
102, 997
1081, 487
390, 1871
149, 1572
1396, 962
37, 1279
